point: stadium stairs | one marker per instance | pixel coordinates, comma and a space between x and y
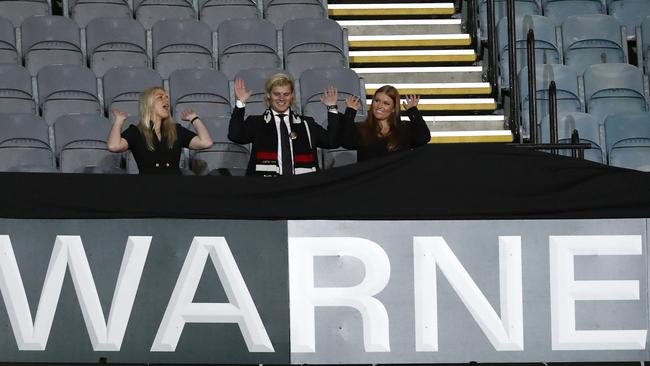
420, 48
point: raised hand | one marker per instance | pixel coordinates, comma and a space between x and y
411, 101
119, 115
188, 114
329, 96
241, 92
353, 101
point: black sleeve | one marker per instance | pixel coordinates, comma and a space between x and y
239, 130
329, 138
131, 135
419, 133
350, 133
184, 135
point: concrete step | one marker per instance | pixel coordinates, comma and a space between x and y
453, 104
408, 40
412, 56
440, 74
390, 9
435, 88
401, 26
470, 122
470, 136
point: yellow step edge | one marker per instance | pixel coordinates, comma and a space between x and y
465, 139
412, 43
457, 107
411, 11
438, 91
423, 58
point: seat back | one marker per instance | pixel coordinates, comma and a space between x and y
85, 11
214, 12
8, 50
115, 42
123, 85
19, 10
522, 8
559, 10
24, 143
205, 91
16, 95
149, 12
627, 137
279, 11
588, 130
247, 43
312, 42
630, 13
592, 39
181, 44
223, 154
613, 88
48, 40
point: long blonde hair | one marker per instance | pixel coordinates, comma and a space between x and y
278, 79
167, 125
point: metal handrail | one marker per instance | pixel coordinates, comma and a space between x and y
552, 113
472, 27
512, 62
532, 87
493, 61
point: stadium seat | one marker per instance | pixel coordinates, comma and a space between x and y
84, 11
630, 13
588, 130
16, 94
312, 42
8, 50
314, 81
546, 47
279, 11
645, 44
149, 12
81, 144
24, 144
64, 89
246, 43
48, 40
566, 82
213, 12
205, 91
181, 44
255, 80
522, 8
123, 85
334, 158
559, 10
628, 140
19, 10
592, 39
114, 42
222, 155
613, 88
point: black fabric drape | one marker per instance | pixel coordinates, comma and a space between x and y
456, 181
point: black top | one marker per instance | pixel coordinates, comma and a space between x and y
414, 133
162, 160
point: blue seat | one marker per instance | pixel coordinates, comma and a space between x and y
84, 11
213, 12
312, 42
546, 48
181, 44
247, 43
566, 82
613, 88
24, 144
255, 80
522, 8
19, 10
223, 154
560, 10
630, 13
205, 91
123, 85
628, 140
149, 12
592, 39
8, 50
115, 42
588, 130
279, 11
48, 40
16, 94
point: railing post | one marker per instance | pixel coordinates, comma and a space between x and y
532, 87
512, 63
472, 28
575, 139
552, 113
492, 46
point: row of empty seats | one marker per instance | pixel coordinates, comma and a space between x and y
174, 44
148, 12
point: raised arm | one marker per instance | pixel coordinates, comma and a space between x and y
419, 133
202, 140
115, 142
350, 134
239, 130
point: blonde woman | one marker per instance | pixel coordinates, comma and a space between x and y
156, 142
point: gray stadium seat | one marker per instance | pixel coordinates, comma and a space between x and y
24, 143
223, 154
522, 8
628, 140
81, 144
588, 129
314, 81
613, 88
181, 44
114, 42
48, 40
279, 11
566, 82
247, 43
8, 50
255, 79
312, 42
630, 13
19, 10
546, 47
592, 39
64, 89
213, 12
148, 12
16, 94
560, 10
205, 91
123, 85
84, 11
334, 158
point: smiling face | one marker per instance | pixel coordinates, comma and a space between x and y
160, 104
382, 106
281, 97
